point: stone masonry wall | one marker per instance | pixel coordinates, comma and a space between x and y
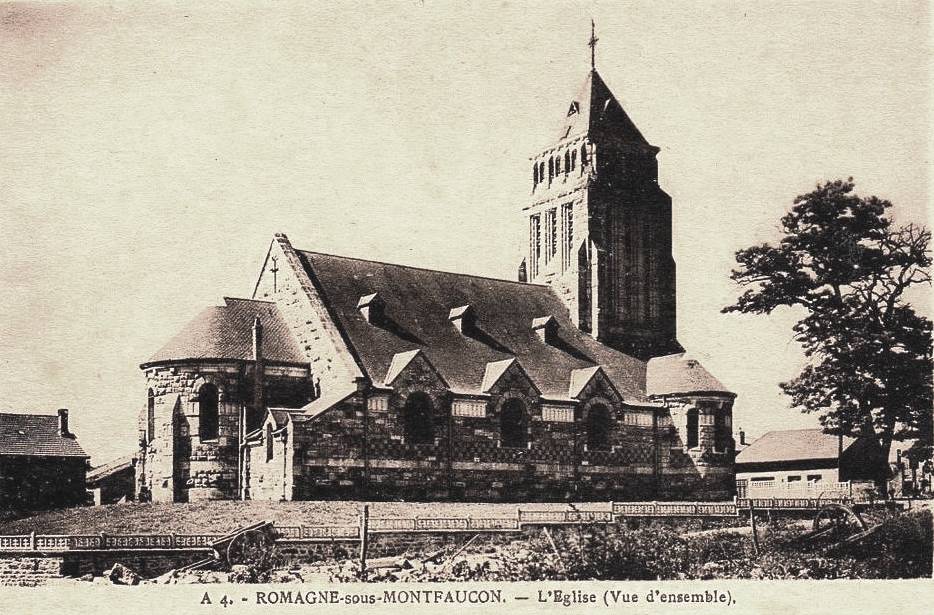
466, 458
177, 465
34, 483
27, 570
297, 299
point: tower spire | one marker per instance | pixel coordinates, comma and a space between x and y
593, 45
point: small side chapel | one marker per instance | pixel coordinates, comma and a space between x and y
343, 378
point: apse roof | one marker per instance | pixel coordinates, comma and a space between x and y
226, 333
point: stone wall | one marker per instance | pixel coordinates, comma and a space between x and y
301, 307
35, 483
269, 477
28, 570
176, 463
147, 564
703, 472
359, 449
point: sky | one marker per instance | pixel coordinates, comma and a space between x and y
149, 152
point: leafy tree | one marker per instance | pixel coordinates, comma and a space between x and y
847, 267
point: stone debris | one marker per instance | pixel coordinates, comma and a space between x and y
122, 575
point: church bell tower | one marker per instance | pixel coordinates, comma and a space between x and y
599, 226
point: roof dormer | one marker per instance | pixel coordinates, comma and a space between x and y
464, 319
373, 308
546, 328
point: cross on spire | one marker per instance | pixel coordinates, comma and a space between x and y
593, 45
274, 271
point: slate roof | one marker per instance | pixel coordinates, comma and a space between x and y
226, 332
36, 435
793, 445
110, 468
418, 304
680, 374
596, 110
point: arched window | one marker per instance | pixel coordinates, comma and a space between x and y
598, 428
207, 412
150, 416
567, 162
512, 424
721, 435
551, 167
558, 164
541, 171
416, 416
269, 449
692, 428
534, 174
584, 159
573, 159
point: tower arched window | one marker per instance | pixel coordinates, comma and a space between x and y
541, 171
567, 162
558, 165
513, 424
551, 168
721, 435
150, 416
573, 159
534, 174
598, 428
208, 412
584, 159
692, 438
417, 419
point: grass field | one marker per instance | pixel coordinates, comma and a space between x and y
220, 517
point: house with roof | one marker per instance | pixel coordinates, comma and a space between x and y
343, 377
42, 465
114, 481
802, 459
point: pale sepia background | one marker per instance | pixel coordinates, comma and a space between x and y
148, 152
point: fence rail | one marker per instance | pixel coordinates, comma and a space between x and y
610, 513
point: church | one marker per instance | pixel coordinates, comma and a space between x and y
344, 378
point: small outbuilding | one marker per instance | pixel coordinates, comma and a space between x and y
114, 481
41, 463
802, 459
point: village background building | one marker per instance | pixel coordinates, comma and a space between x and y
807, 459
41, 463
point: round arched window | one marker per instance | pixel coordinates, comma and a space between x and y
513, 424
417, 419
598, 428
208, 412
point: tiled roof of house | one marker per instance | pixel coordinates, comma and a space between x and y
36, 435
793, 445
110, 468
418, 303
226, 332
680, 374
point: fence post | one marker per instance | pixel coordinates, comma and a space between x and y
364, 539
103, 541
32, 541
518, 518
752, 523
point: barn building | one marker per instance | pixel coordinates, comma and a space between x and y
348, 378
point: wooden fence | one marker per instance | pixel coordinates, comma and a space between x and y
611, 512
